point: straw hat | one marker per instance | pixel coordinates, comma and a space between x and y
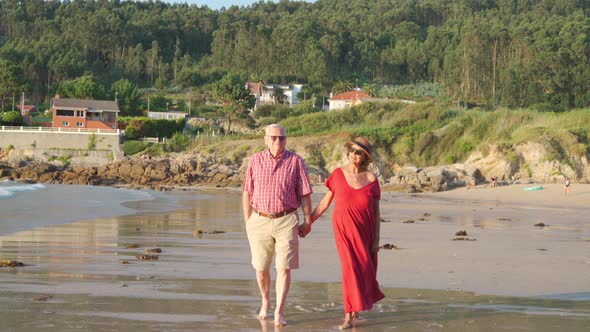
362, 143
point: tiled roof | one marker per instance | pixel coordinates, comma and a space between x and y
27, 107
102, 105
256, 88
351, 95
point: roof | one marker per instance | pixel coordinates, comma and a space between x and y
256, 88
350, 95
83, 104
27, 107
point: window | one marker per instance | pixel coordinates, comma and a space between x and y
64, 113
65, 123
79, 124
80, 114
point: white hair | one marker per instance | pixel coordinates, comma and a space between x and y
274, 125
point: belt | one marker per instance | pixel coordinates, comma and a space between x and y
276, 214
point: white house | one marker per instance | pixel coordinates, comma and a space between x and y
265, 94
347, 99
166, 115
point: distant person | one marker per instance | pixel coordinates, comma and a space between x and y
568, 185
495, 182
517, 176
275, 185
356, 223
470, 183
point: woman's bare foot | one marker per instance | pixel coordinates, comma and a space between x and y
356, 316
347, 321
263, 314
346, 325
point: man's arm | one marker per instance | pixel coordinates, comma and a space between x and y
246, 208
306, 205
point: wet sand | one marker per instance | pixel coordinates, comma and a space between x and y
515, 276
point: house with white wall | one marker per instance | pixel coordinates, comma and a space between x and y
265, 93
347, 99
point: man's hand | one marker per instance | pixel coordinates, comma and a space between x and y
304, 229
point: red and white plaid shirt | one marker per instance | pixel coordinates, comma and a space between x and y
276, 185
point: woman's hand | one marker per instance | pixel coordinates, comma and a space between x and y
375, 247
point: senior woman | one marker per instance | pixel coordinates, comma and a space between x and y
355, 220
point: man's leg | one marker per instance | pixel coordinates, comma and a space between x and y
263, 279
282, 288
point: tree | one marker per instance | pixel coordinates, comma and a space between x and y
279, 95
84, 87
13, 118
127, 97
9, 79
232, 95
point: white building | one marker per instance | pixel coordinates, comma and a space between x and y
166, 115
265, 94
347, 99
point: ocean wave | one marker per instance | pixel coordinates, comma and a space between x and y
5, 193
9, 188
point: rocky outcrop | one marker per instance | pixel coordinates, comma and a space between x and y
172, 172
436, 178
226, 167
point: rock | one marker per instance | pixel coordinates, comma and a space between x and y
388, 246
10, 263
409, 221
148, 257
153, 251
540, 225
42, 298
461, 233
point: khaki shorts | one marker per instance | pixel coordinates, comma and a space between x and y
267, 236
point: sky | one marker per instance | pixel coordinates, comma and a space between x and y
217, 4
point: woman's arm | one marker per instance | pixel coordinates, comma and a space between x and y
323, 205
305, 228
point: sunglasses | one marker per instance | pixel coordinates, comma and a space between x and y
280, 138
358, 152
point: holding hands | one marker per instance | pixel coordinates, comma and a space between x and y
304, 229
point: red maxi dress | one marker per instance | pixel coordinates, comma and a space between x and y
353, 220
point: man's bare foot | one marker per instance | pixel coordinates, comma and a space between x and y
263, 314
280, 320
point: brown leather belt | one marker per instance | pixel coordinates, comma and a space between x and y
274, 215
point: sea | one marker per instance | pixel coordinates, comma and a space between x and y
27, 206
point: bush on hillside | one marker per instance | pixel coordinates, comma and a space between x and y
133, 147
13, 118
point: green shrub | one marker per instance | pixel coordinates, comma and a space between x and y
65, 159
179, 142
13, 118
133, 147
92, 142
132, 132
314, 156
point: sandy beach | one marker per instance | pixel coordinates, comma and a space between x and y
513, 275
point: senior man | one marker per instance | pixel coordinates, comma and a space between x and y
275, 185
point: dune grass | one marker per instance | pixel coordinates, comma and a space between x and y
428, 133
